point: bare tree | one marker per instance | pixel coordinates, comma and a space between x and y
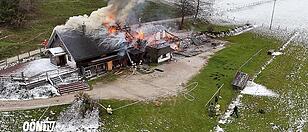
197, 10
88, 104
203, 9
186, 8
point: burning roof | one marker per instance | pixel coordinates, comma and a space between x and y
106, 31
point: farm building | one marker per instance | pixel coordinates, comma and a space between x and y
77, 50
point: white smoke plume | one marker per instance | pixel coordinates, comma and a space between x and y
116, 11
94, 26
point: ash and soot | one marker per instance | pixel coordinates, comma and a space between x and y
107, 25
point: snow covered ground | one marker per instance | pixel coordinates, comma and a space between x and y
36, 67
33, 70
72, 121
12, 91
225, 118
291, 14
258, 90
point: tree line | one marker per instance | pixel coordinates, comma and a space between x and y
15, 12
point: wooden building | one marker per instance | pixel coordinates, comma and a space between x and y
158, 53
75, 49
240, 80
57, 56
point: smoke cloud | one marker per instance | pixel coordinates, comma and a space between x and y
95, 24
116, 11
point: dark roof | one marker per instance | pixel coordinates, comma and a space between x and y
105, 59
134, 51
159, 49
78, 45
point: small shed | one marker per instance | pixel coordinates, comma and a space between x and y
240, 80
158, 53
57, 56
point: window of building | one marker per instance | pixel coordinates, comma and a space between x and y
164, 56
69, 58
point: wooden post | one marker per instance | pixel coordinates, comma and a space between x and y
29, 53
47, 75
6, 62
18, 58
23, 76
273, 12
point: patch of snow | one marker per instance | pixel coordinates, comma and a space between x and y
72, 121
253, 88
38, 66
274, 57
56, 51
295, 105
13, 91
225, 118
218, 129
277, 53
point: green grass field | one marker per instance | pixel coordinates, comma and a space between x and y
179, 114
158, 11
287, 76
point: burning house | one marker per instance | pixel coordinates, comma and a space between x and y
77, 50
103, 41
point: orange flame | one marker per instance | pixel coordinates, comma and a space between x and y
108, 24
140, 35
176, 46
112, 29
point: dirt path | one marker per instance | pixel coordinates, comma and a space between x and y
134, 87
155, 85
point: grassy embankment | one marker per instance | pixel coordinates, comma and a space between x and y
157, 11
287, 76
179, 114
49, 14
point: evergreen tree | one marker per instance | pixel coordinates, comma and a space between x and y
14, 12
